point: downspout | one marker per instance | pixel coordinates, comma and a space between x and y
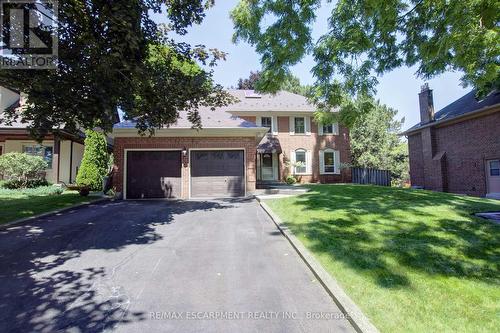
71, 161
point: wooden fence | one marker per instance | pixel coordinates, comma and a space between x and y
371, 176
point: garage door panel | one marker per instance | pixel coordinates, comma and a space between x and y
153, 174
217, 173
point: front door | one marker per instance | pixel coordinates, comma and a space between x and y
493, 176
267, 166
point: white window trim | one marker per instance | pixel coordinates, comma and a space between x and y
308, 161
307, 125
274, 123
335, 129
336, 161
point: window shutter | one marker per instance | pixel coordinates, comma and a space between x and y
274, 123
308, 162
320, 129
292, 126
321, 162
336, 156
336, 129
307, 125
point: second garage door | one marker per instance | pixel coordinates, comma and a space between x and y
217, 173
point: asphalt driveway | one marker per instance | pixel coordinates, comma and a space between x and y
131, 266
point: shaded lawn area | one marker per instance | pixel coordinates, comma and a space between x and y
414, 261
21, 205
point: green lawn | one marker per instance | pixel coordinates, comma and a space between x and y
413, 261
19, 204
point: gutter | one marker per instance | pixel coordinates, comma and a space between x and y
447, 120
188, 131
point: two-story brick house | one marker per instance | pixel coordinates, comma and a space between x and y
457, 149
240, 146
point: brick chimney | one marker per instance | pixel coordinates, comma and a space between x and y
426, 104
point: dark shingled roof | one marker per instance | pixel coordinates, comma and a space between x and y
465, 104
269, 144
248, 101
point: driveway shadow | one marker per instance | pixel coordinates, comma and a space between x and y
38, 295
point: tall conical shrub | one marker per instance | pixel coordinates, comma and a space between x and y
95, 161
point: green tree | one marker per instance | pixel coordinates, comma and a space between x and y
375, 143
291, 83
367, 38
95, 161
104, 63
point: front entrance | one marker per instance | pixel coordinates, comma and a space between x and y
267, 166
493, 176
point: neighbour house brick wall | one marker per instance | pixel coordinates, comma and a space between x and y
314, 142
248, 143
459, 153
416, 160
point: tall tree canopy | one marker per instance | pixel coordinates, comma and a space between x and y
291, 83
367, 38
375, 143
113, 55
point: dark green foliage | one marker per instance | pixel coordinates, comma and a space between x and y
42, 190
375, 143
21, 170
95, 161
291, 83
367, 38
104, 63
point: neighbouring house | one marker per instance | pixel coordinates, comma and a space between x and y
240, 147
63, 152
457, 149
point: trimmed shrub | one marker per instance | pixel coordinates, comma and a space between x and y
22, 170
38, 191
95, 161
290, 180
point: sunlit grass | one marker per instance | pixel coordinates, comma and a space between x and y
16, 204
414, 261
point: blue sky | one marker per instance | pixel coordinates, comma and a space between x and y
397, 89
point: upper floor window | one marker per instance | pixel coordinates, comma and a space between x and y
328, 129
37, 150
300, 125
267, 122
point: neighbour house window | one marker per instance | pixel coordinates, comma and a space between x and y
267, 122
300, 125
37, 150
329, 161
495, 168
300, 158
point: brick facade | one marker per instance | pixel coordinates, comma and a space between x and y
314, 142
452, 157
247, 143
